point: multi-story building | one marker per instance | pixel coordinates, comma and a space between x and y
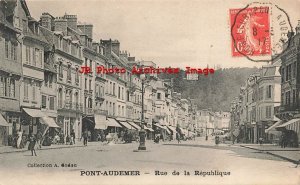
93, 83
34, 44
64, 36
290, 83
268, 98
10, 71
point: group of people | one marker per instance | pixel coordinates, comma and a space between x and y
22, 138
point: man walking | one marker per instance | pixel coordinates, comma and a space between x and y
85, 137
72, 136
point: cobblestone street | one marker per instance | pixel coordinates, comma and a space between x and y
246, 166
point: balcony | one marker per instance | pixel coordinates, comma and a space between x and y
101, 112
68, 105
88, 111
88, 92
291, 107
99, 97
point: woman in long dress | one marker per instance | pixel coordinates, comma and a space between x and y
20, 133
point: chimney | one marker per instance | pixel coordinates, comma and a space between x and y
298, 27
47, 21
71, 21
60, 24
87, 29
115, 47
106, 45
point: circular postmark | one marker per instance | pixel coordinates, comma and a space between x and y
260, 32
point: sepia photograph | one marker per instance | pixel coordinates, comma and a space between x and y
152, 92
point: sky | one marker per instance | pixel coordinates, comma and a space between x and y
172, 33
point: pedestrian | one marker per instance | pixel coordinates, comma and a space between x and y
24, 140
72, 136
39, 138
261, 140
178, 137
217, 139
19, 140
85, 136
178, 131
32, 142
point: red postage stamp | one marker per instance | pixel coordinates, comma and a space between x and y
250, 31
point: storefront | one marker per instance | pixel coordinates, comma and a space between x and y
30, 120
4, 126
291, 132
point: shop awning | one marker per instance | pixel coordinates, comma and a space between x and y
100, 122
3, 122
184, 131
158, 125
35, 113
168, 131
173, 129
113, 123
273, 127
49, 121
289, 123
134, 125
150, 129
127, 125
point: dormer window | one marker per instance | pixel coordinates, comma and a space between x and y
69, 77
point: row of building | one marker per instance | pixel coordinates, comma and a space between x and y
42, 89
268, 104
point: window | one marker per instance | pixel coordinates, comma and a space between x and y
66, 46
50, 80
52, 100
294, 97
60, 70
35, 56
74, 50
44, 101
90, 85
114, 89
69, 71
27, 61
14, 51
60, 98
158, 96
282, 75
294, 69
287, 98
114, 108
91, 65
290, 71
77, 76
33, 92
119, 92
110, 88
6, 48
12, 88
127, 93
26, 90
282, 99
269, 91
24, 22
268, 111
17, 22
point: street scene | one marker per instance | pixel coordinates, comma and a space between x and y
246, 166
96, 92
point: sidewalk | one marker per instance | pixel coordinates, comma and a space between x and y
10, 149
289, 154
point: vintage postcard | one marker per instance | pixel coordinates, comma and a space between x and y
194, 92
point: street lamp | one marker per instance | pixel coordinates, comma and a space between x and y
142, 132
